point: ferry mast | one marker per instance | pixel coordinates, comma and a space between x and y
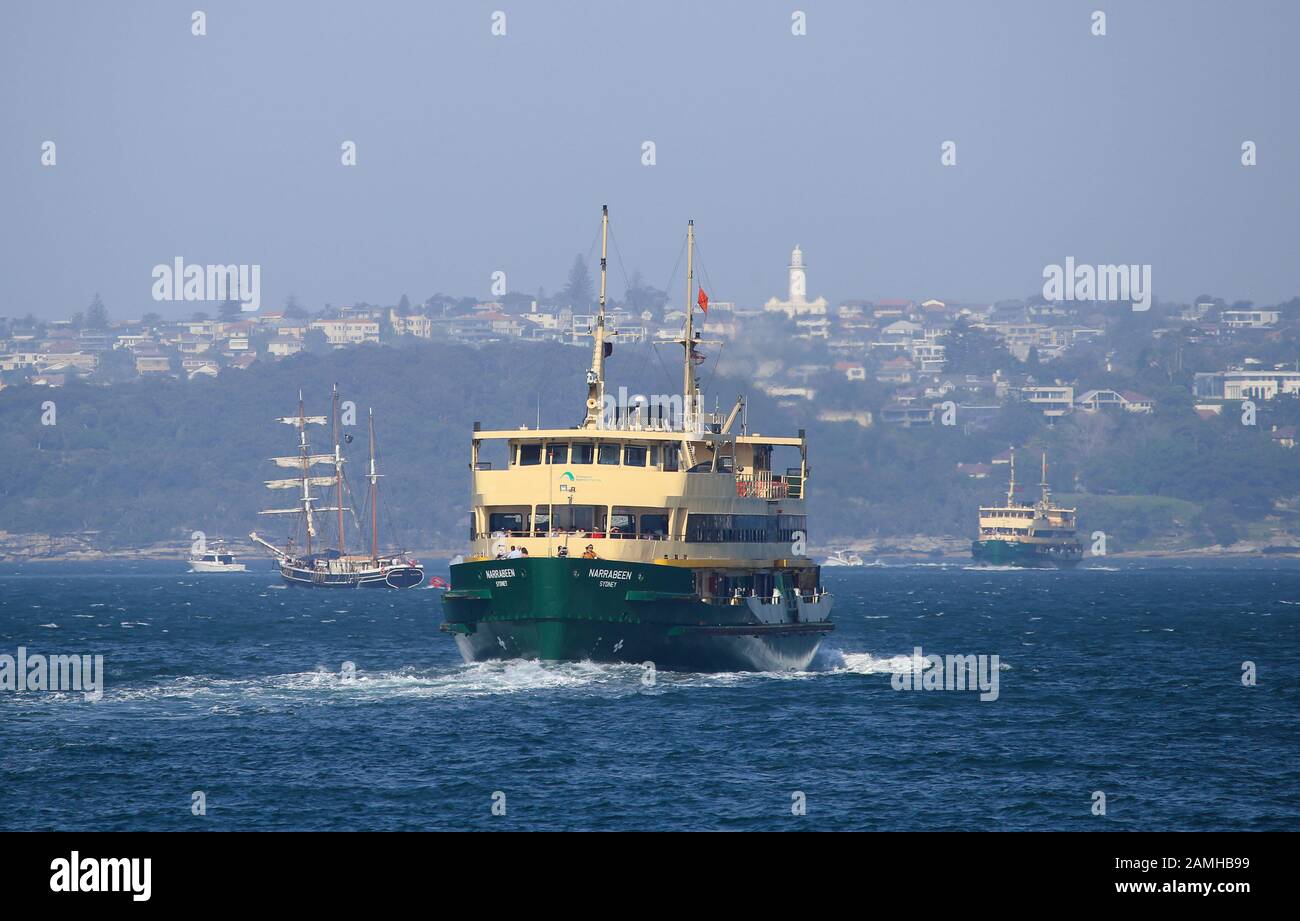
1011, 489
688, 344
596, 376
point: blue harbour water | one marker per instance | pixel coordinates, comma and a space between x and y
1123, 678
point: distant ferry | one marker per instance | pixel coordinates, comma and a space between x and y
641, 539
332, 567
1020, 534
842, 558
215, 559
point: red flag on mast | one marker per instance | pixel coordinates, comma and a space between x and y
704, 301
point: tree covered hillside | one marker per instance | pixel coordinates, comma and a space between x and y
153, 460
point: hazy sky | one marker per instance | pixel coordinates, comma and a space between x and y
479, 153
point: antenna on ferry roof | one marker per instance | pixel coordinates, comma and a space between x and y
688, 344
1011, 490
596, 376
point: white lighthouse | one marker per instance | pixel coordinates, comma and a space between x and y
797, 303
798, 280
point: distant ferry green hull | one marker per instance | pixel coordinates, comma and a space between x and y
1016, 553
573, 609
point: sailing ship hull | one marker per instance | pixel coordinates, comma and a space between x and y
1020, 553
570, 609
390, 577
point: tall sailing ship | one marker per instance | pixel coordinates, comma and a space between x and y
1023, 534
640, 536
316, 563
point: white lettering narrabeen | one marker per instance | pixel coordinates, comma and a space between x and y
609, 574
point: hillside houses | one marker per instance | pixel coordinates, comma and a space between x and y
865, 361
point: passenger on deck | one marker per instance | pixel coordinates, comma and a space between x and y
589, 553
514, 553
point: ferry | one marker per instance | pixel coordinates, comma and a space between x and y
1022, 534
653, 533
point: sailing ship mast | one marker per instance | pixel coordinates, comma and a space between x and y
374, 494
338, 464
304, 452
596, 376
303, 461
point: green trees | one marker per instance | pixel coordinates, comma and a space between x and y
578, 292
146, 460
969, 349
96, 316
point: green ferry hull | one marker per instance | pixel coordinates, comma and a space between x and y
568, 609
1015, 553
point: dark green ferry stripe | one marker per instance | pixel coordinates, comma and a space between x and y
754, 629
615, 618
471, 593
636, 595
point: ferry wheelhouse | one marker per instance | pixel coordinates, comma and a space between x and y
654, 532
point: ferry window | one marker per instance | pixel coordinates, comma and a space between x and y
634, 456
530, 455
622, 523
510, 522
608, 454
541, 523
494, 454
586, 518
654, 526
670, 458
744, 528
654, 455
557, 453
583, 454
